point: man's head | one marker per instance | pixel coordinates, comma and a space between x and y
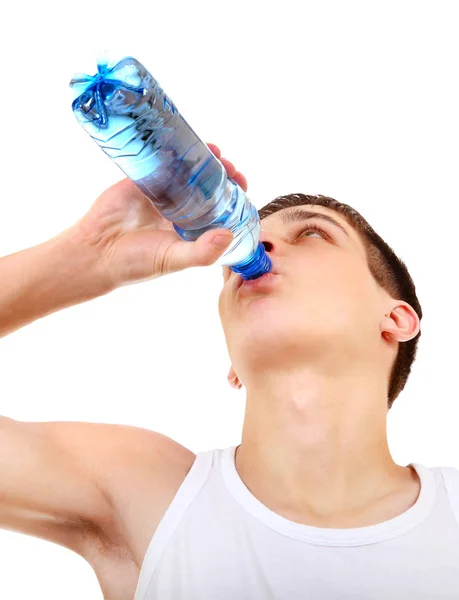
340, 298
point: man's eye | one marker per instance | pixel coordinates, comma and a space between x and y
315, 229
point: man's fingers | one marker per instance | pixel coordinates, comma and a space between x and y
215, 150
240, 180
229, 167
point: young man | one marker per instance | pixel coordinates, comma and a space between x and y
311, 503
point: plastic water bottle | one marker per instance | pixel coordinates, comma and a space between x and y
125, 111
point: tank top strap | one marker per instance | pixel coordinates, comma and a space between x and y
451, 479
191, 485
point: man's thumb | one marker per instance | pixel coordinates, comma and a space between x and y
210, 246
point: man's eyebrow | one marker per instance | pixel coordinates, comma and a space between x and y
299, 214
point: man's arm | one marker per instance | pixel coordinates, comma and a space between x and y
43, 279
122, 239
87, 486
84, 485
46, 489
75, 484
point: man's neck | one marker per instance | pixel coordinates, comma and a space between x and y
322, 454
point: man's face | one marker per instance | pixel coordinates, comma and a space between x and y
323, 300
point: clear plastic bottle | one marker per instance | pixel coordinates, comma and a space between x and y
125, 111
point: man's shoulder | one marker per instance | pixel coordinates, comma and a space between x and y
141, 478
142, 481
448, 477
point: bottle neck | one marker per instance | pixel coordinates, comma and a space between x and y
257, 265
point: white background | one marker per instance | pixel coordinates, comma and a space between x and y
357, 100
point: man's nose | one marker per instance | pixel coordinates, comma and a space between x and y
265, 239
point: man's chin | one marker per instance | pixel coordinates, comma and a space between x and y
260, 310
263, 322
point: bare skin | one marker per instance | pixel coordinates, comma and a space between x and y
126, 477
314, 442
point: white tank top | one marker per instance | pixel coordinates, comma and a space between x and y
217, 541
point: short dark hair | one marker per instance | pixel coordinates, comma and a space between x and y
389, 271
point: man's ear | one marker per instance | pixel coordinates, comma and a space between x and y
233, 379
401, 324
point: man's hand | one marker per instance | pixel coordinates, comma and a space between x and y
120, 240
135, 243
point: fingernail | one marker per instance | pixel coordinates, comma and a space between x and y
221, 241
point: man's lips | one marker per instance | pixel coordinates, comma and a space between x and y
265, 279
